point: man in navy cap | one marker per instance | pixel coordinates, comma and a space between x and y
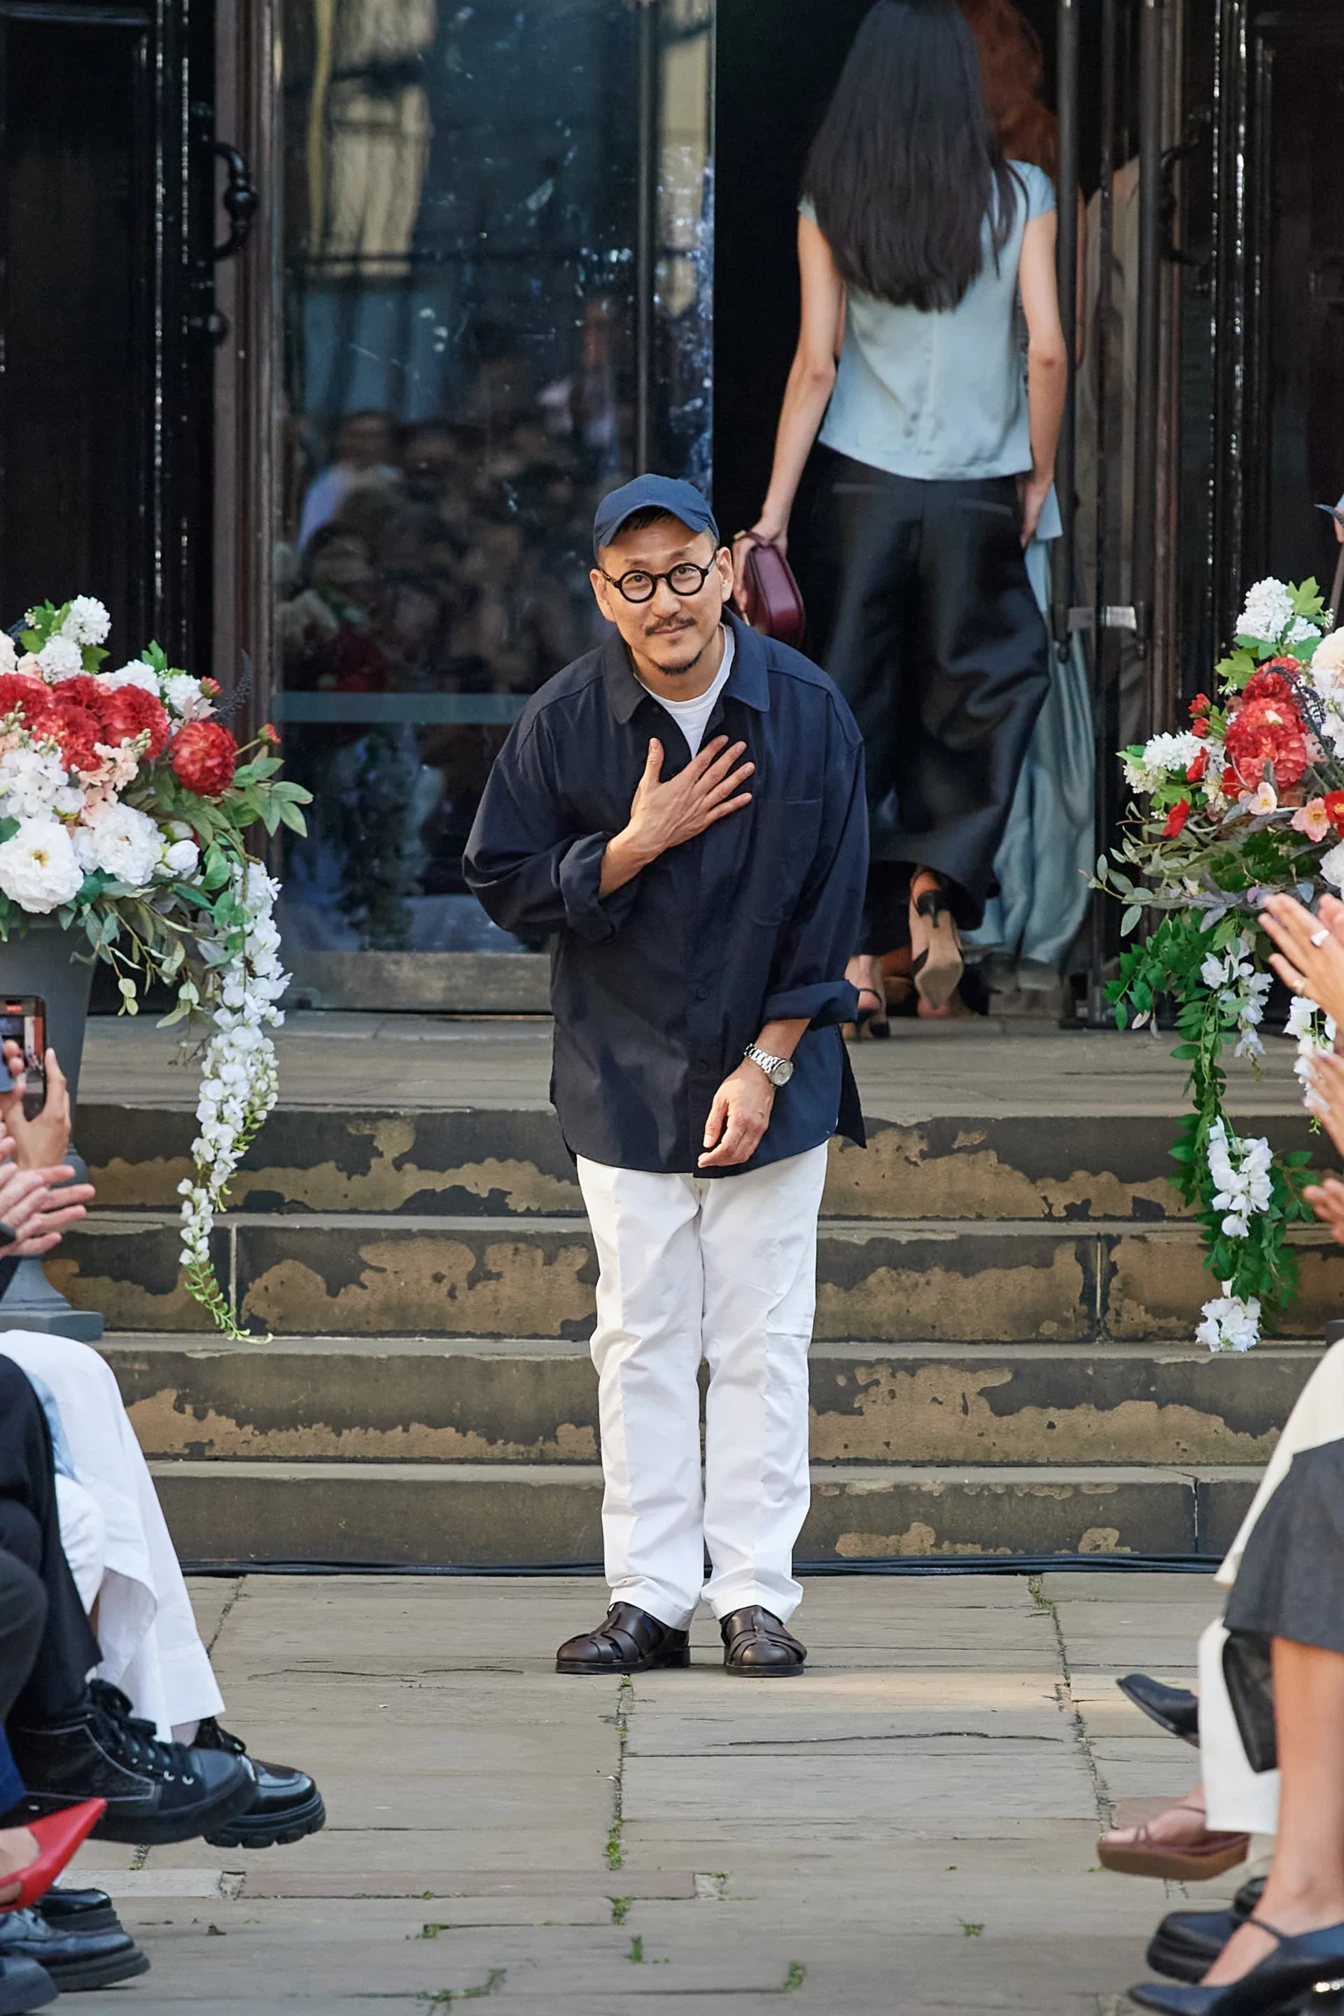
683, 808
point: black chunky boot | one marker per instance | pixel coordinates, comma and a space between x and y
156, 1793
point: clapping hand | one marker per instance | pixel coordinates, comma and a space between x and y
1310, 958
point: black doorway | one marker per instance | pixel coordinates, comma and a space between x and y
771, 88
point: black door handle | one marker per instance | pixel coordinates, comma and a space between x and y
240, 200
1198, 131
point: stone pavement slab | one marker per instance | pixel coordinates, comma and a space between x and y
908, 1828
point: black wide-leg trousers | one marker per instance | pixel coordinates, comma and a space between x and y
53, 1680
920, 608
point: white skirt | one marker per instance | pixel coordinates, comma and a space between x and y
146, 1630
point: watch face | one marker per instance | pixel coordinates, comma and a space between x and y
782, 1073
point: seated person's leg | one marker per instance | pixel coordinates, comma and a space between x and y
72, 1742
151, 1648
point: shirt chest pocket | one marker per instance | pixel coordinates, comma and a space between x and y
783, 847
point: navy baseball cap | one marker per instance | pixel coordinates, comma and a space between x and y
659, 493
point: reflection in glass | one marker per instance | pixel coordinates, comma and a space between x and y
462, 217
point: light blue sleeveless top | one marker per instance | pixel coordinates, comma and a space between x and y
940, 395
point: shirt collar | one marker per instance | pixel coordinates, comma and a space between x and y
749, 680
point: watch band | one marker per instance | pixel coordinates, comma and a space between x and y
778, 1070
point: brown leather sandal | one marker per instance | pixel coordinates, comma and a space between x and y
1195, 1862
627, 1640
934, 941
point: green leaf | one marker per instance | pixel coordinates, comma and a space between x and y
1131, 919
292, 817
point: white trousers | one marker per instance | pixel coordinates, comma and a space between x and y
722, 1269
117, 1542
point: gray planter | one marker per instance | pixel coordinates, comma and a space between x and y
40, 962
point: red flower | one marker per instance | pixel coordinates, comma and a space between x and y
1333, 802
1264, 731
130, 711
1229, 783
205, 757
1195, 772
30, 696
210, 687
75, 730
1176, 818
270, 733
1200, 728
1269, 684
1200, 705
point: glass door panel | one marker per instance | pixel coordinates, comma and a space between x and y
494, 296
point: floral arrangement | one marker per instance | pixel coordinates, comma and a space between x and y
124, 810
1246, 801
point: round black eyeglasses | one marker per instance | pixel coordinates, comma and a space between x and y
685, 580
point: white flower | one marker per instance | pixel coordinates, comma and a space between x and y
125, 844
60, 658
1300, 629
1230, 1324
38, 869
239, 1082
1268, 612
1262, 800
86, 621
30, 781
9, 655
1161, 757
137, 673
1332, 866
182, 859
182, 693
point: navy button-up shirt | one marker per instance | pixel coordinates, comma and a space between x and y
658, 987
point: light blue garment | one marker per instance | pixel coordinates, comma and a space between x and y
60, 1448
1048, 846
940, 395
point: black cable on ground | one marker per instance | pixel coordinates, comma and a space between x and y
961, 1564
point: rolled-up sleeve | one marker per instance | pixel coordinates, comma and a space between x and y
808, 975
527, 872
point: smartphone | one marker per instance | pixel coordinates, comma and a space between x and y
23, 1017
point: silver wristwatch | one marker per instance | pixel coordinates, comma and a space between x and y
777, 1069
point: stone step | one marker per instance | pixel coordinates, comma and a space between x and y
482, 1515
531, 1401
878, 1281
487, 1162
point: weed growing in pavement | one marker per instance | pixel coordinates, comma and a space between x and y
794, 1979
969, 1930
620, 1909
636, 1952
432, 1931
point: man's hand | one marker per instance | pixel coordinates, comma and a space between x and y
738, 1118
39, 1143
664, 815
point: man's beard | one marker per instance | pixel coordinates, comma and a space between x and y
681, 666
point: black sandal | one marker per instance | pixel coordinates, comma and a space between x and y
937, 965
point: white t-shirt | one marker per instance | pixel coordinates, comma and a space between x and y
692, 716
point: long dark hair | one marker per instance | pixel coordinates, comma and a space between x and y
907, 164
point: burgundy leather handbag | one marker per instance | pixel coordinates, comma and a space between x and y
771, 600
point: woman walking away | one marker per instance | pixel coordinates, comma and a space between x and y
916, 239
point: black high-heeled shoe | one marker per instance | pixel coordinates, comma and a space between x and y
1311, 1961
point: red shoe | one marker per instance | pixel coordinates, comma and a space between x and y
58, 1837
